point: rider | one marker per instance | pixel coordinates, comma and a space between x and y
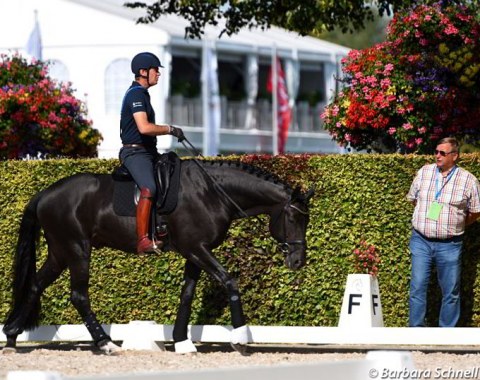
138, 132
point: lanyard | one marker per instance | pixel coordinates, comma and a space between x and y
438, 191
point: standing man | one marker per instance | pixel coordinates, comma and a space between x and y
138, 132
446, 199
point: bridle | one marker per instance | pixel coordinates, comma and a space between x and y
286, 244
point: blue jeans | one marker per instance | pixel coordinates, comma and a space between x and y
446, 256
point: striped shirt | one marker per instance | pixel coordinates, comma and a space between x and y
459, 195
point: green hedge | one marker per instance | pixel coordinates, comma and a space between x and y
357, 196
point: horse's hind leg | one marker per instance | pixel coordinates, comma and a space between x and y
79, 277
183, 344
29, 311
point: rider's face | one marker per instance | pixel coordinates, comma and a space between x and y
153, 75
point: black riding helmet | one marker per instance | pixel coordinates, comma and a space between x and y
144, 60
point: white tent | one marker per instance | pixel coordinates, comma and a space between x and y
91, 42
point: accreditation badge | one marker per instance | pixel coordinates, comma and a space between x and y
434, 210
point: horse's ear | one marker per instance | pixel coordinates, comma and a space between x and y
297, 193
309, 193
304, 197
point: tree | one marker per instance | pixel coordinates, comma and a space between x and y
304, 17
40, 117
374, 32
420, 85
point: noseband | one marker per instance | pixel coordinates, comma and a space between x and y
286, 244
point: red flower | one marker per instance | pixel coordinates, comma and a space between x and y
36, 114
426, 76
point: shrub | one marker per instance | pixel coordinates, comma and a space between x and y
357, 197
366, 258
419, 86
40, 117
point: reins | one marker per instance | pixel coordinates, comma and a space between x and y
195, 152
284, 246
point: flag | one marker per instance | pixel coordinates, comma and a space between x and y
284, 111
34, 44
211, 100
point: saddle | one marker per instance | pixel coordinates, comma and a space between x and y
167, 177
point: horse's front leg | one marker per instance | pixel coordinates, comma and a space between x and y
183, 344
239, 336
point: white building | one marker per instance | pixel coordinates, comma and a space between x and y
91, 42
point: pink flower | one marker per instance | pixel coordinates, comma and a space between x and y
410, 144
450, 29
385, 83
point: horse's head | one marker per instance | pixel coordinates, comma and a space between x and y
288, 226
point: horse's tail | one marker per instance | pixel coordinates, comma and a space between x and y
24, 274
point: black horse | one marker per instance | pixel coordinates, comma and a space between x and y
76, 214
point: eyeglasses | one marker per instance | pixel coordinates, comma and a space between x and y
443, 153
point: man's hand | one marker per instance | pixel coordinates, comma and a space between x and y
471, 217
177, 132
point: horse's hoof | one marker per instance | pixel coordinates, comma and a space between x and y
240, 348
239, 335
9, 350
111, 348
185, 347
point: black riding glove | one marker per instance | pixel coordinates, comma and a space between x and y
177, 132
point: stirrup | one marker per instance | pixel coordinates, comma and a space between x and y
157, 246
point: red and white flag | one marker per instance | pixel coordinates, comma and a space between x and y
284, 111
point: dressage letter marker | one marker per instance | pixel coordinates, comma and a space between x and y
361, 305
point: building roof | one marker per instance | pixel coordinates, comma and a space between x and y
255, 39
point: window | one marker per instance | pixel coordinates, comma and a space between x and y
185, 79
312, 83
58, 71
118, 77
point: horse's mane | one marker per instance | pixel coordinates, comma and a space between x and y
248, 168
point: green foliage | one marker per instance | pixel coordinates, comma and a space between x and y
39, 116
300, 16
304, 17
357, 197
373, 33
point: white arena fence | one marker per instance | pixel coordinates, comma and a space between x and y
150, 331
376, 365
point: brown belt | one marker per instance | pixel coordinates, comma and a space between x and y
133, 146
